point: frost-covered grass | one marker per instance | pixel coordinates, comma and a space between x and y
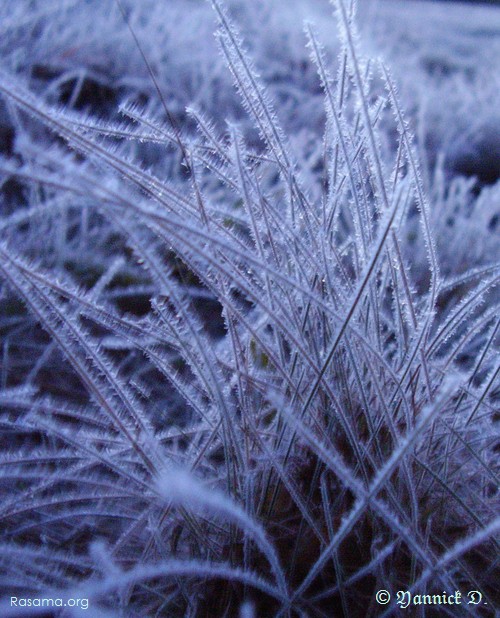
247, 366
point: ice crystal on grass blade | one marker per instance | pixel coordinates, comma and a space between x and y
234, 378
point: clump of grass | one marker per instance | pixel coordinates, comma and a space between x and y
332, 442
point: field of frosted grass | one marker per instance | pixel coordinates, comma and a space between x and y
249, 307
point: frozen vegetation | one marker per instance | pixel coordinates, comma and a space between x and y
249, 316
